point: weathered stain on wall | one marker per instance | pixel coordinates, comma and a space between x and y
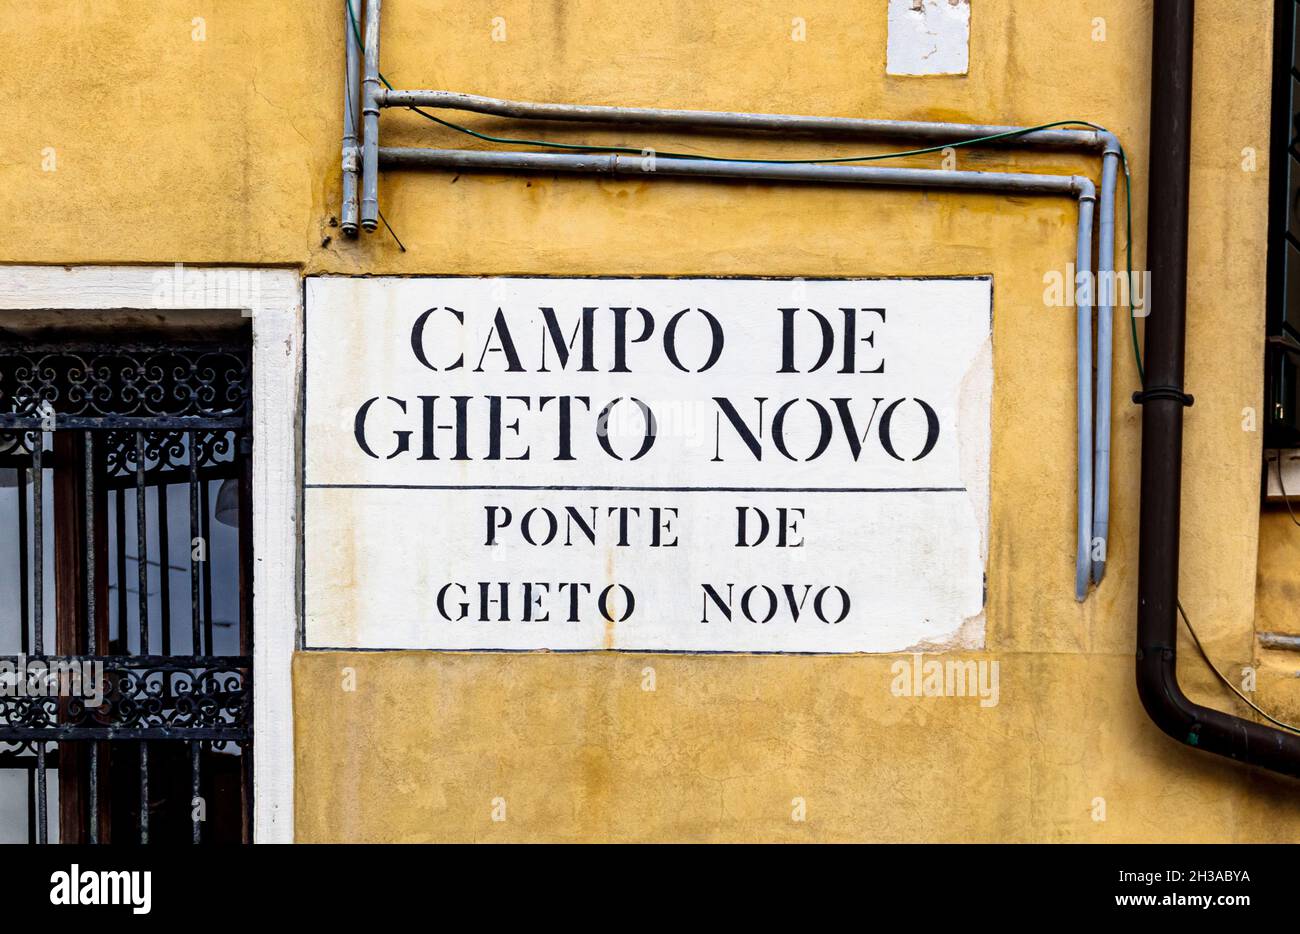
226, 150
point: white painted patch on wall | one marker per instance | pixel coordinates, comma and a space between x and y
928, 37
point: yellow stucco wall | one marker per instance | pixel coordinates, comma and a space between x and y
226, 151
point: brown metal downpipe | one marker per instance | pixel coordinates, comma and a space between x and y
1162, 420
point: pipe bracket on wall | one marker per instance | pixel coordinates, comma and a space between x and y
1163, 392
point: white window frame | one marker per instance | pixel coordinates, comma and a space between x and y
277, 323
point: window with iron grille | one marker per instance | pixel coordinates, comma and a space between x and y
1282, 360
125, 590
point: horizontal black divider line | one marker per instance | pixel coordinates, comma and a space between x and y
640, 489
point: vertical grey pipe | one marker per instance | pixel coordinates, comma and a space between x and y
1083, 298
1105, 299
351, 101
370, 122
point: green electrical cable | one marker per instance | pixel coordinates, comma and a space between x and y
1011, 134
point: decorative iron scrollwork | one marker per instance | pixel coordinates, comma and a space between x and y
124, 381
166, 450
131, 698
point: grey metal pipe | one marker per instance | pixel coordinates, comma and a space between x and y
1105, 299
351, 101
1083, 297
650, 166
723, 120
370, 121
1279, 640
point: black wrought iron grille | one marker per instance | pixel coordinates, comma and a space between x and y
125, 576
1282, 305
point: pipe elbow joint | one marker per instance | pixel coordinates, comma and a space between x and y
1083, 187
1109, 143
1162, 698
